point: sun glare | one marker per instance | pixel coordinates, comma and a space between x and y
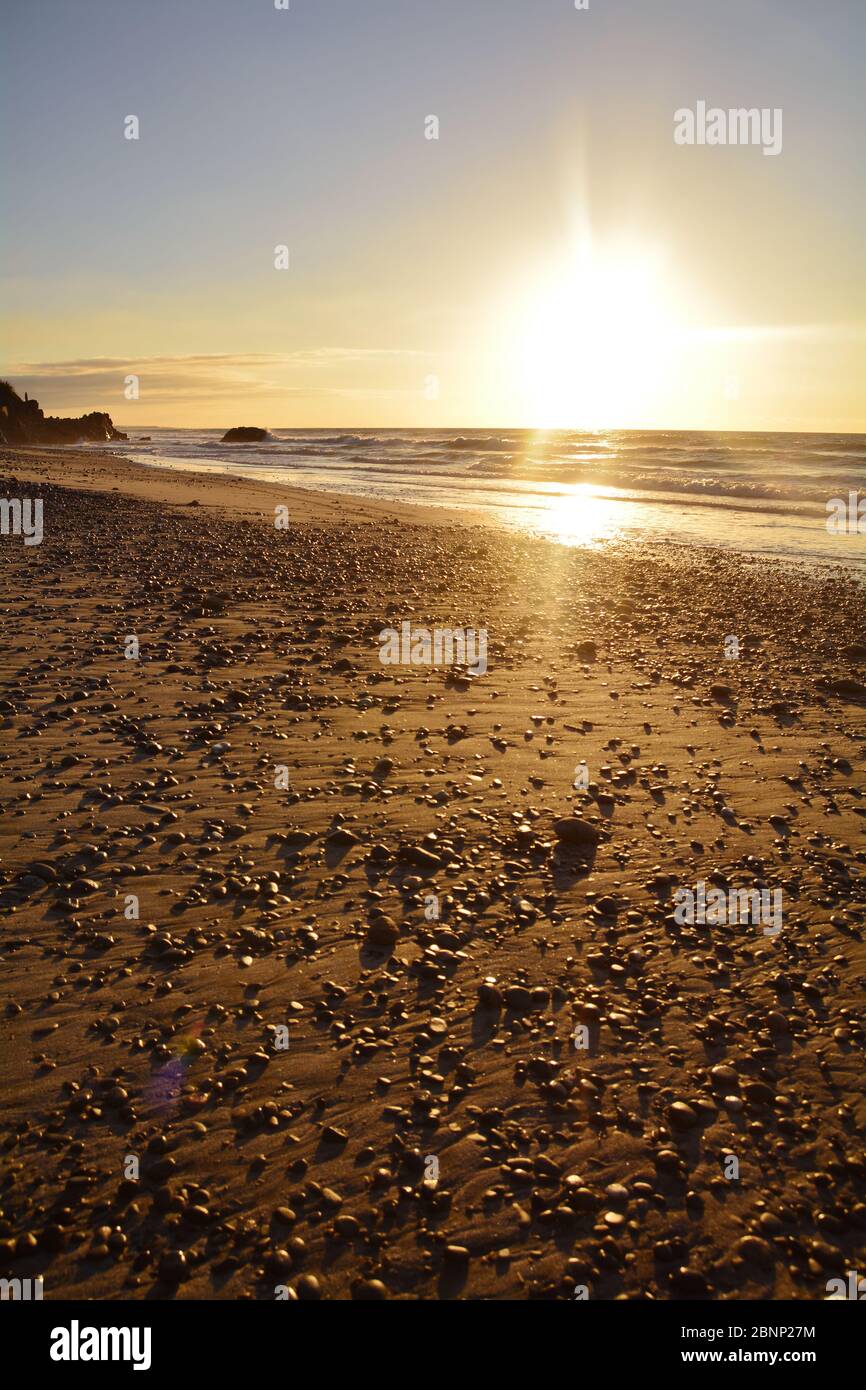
595, 340
580, 517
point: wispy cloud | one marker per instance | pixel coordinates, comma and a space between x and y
88, 383
215, 361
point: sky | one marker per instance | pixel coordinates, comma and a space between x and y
553, 259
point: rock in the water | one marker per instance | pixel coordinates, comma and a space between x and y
245, 434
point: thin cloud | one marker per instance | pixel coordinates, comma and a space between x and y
208, 361
76, 385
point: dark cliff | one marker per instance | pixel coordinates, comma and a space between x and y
22, 422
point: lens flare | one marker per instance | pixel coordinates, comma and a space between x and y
166, 1084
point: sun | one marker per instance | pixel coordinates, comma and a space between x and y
596, 339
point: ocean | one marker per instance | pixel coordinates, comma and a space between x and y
761, 493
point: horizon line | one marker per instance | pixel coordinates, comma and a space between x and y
520, 429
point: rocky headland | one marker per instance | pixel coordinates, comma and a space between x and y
23, 422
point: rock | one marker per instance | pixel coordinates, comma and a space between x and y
682, 1116
22, 422
843, 686
489, 994
758, 1093
574, 830
308, 1287
383, 931
245, 434
617, 1193
173, 1267
341, 838
690, 1283
298, 838
723, 1076
756, 1250
369, 1289
419, 857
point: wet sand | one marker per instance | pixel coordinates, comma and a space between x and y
431, 1129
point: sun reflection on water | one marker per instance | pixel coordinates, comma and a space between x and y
579, 516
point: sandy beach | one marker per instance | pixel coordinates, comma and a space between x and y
325, 978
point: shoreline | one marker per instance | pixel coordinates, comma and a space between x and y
99, 470
228, 494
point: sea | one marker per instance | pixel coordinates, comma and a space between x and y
790, 496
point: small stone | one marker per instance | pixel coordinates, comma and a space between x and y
574, 830
681, 1115
308, 1287
173, 1267
371, 1290
756, 1250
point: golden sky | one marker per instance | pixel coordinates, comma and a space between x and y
553, 258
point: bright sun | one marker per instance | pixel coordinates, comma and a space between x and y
596, 339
